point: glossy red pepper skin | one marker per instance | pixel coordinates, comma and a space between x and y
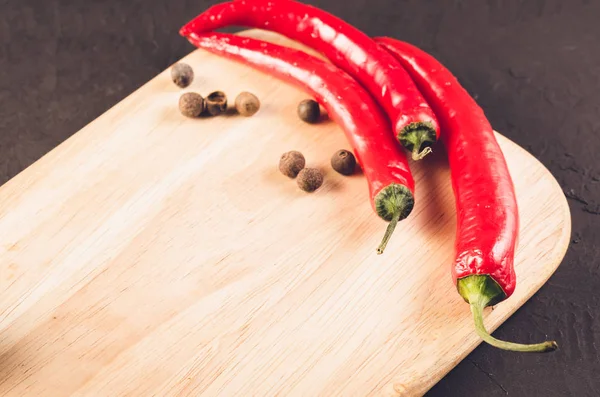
486, 205
383, 161
347, 47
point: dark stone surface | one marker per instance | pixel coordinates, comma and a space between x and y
534, 66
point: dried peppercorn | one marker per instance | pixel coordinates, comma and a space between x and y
291, 163
191, 104
309, 111
344, 162
310, 179
216, 103
182, 74
247, 104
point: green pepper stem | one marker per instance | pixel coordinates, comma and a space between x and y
477, 310
419, 155
480, 291
415, 135
393, 203
388, 233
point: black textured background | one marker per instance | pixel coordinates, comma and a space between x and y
533, 65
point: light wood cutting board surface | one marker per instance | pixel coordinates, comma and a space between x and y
152, 254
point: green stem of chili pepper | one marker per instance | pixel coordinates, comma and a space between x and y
414, 136
393, 203
388, 234
481, 291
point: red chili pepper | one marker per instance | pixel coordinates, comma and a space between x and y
367, 129
487, 213
348, 48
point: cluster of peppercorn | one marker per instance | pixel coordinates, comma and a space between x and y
291, 164
192, 104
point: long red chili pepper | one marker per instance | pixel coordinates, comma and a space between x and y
367, 129
348, 48
487, 213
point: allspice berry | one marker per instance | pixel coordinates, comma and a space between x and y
344, 162
182, 74
309, 111
216, 103
291, 163
191, 104
247, 104
310, 179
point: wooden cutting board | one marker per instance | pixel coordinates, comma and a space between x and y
151, 254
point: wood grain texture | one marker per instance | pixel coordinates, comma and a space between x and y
152, 254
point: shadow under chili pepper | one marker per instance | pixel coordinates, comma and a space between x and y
435, 199
435, 219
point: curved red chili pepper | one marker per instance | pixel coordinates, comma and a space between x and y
347, 47
367, 129
487, 213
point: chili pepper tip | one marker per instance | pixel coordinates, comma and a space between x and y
184, 31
